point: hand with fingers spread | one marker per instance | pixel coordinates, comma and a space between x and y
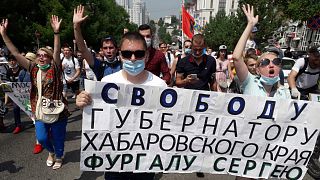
78, 15
249, 12
83, 99
55, 23
3, 26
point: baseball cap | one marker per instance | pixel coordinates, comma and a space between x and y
254, 29
222, 47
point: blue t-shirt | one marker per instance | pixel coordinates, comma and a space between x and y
252, 86
109, 68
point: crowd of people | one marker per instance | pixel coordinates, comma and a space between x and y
52, 71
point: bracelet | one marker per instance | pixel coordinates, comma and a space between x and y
56, 32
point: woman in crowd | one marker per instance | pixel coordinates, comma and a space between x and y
223, 69
48, 69
268, 66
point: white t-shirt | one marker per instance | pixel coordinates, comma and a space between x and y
250, 44
117, 77
89, 72
305, 81
70, 68
169, 61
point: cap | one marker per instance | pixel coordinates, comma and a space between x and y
31, 56
222, 47
254, 29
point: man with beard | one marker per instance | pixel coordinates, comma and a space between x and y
110, 63
156, 61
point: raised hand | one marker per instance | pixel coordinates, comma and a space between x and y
3, 26
78, 15
55, 23
249, 12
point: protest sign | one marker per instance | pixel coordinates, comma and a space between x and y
154, 129
19, 93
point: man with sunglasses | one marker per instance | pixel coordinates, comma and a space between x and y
110, 63
156, 61
304, 75
268, 66
194, 71
133, 55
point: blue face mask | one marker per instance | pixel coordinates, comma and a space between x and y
187, 50
269, 81
133, 68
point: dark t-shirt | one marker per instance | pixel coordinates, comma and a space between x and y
204, 71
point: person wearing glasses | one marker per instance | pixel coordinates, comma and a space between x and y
46, 67
110, 63
268, 66
133, 53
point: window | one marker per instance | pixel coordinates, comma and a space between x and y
222, 5
211, 4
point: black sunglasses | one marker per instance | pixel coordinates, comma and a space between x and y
137, 54
266, 62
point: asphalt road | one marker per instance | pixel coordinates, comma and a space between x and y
17, 160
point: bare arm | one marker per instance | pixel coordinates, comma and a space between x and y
241, 68
292, 79
77, 20
23, 61
55, 24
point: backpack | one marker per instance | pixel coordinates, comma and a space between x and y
303, 70
74, 64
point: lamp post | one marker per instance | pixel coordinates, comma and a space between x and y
37, 34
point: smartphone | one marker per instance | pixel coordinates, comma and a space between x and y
194, 76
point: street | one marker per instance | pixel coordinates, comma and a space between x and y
17, 160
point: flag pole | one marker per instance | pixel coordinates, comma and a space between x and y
182, 35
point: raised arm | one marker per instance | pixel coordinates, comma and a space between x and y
77, 20
23, 61
55, 24
241, 68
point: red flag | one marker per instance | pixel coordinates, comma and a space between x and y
187, 23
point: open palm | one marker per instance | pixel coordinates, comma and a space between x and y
78, 15
3, 26
249, 12
55, 23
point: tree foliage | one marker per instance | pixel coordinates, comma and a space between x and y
222, 29
27, 17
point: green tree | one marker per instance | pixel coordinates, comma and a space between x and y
160, 22
27, 17
222, 29
164, 36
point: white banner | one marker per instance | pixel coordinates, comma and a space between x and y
153, 129
19, 93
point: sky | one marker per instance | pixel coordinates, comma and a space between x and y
161, 8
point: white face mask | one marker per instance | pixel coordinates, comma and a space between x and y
148, 42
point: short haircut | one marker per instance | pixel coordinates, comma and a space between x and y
144, 27
314, 50
186, 41
110, 39
162, 43
133, 36
199, 39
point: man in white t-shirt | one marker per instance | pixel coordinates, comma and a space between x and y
71, 71
304, 75
133, 53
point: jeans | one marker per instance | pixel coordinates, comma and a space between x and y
16, 114
128, 176
52, 136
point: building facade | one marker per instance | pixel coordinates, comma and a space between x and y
138, 12
203, 10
